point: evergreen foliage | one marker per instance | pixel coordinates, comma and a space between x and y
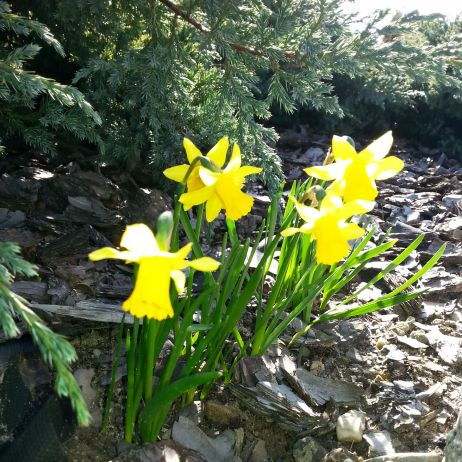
159, 70
34, 107
202, 68
55, 349
423, 102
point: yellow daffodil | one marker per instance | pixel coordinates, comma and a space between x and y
354, 173
222, 189
328, 226
151, 295
217, 155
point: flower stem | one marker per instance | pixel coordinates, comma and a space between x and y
200, 218
153, 328
131, 405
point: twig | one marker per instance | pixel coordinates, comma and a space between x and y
205, 30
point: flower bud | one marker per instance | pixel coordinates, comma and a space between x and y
164, 230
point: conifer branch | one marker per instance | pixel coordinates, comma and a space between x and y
205, 30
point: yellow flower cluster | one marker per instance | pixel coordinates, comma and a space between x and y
218, 188
351, 192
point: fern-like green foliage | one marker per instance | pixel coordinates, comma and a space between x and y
55, 349
33, 107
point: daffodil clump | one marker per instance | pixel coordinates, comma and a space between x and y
309, 243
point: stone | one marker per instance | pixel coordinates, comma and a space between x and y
452, 200
239, 444
189, 435
419, 335
411, 342
163, 451
317, 367
408, 457
11, 218
319, 390
194, 412
401, 328
308, 449
314, 156
413, 218
449, 348
350, 426
453, 450
380, 443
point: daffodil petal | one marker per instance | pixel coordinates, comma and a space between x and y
200, 196
247, 170
105, 253
179, 280
177, 173
183, 252
194, 181
379, 148
331, 203
307, 213
218, 153
208, 177
290, 232
191, 151
213, 207
307, 228
205, 264
240, 208
355, 207
388, 167
351, 231
336, 188
326, 172
235, 161
342, 149
140, 240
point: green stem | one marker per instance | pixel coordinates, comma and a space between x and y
261, 324
131, 363
153, 328
231, 225
176, 218
199, 220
